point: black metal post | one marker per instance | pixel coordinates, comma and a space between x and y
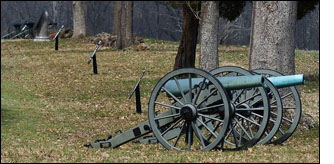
94, 64
56, 37
138, 104
56, 44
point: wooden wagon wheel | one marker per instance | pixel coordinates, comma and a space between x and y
187, 109
250, 112
292, 108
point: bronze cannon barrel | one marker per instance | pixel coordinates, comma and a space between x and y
238, 82
228, 82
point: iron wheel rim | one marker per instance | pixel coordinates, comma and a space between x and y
182, 123
233, 133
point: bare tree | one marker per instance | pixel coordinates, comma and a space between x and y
272, 43
186, 53
79, 19
122, 25
208, 59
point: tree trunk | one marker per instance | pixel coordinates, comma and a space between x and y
79, 19
272, 43
186, 53
208, 36
122, 25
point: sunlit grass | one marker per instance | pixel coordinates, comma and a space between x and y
52, 103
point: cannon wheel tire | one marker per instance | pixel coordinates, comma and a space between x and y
183, 126
249, 121
290, 125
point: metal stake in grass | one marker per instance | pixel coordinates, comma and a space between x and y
57, 36
93, 57
136, 90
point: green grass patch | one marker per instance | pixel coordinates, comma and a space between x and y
52, 103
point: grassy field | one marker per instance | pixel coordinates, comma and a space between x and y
52, 104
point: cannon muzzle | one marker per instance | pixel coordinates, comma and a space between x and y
287, 81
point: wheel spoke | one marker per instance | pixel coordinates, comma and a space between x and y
190, 90
162, 117
270, 119
228, 142
258, 100
200, 89
243, 129
250, 129
237, 98
178, 136
281, 131
176, 99
290, 93
213, 118
266, 133
228, 133
234, 135
166, 105
273, 113
213, 133
254, 91
209, 107
288, 107
179, 120
251, 121
286, 95
208, 120
248, 99
180, 89
217, 126
243, 109
199, 133
284, 118
207, 97
189, 135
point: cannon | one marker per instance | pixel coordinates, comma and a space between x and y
24, 30
291, 104
17, 29
231, 82
229, 108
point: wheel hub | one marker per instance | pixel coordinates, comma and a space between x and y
188, 112
246, 113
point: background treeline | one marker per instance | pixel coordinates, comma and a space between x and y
151, 19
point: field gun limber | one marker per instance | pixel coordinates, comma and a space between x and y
229, 108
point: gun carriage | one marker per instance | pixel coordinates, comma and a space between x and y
228, 108
22, 30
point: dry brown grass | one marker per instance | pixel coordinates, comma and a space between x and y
52, 104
